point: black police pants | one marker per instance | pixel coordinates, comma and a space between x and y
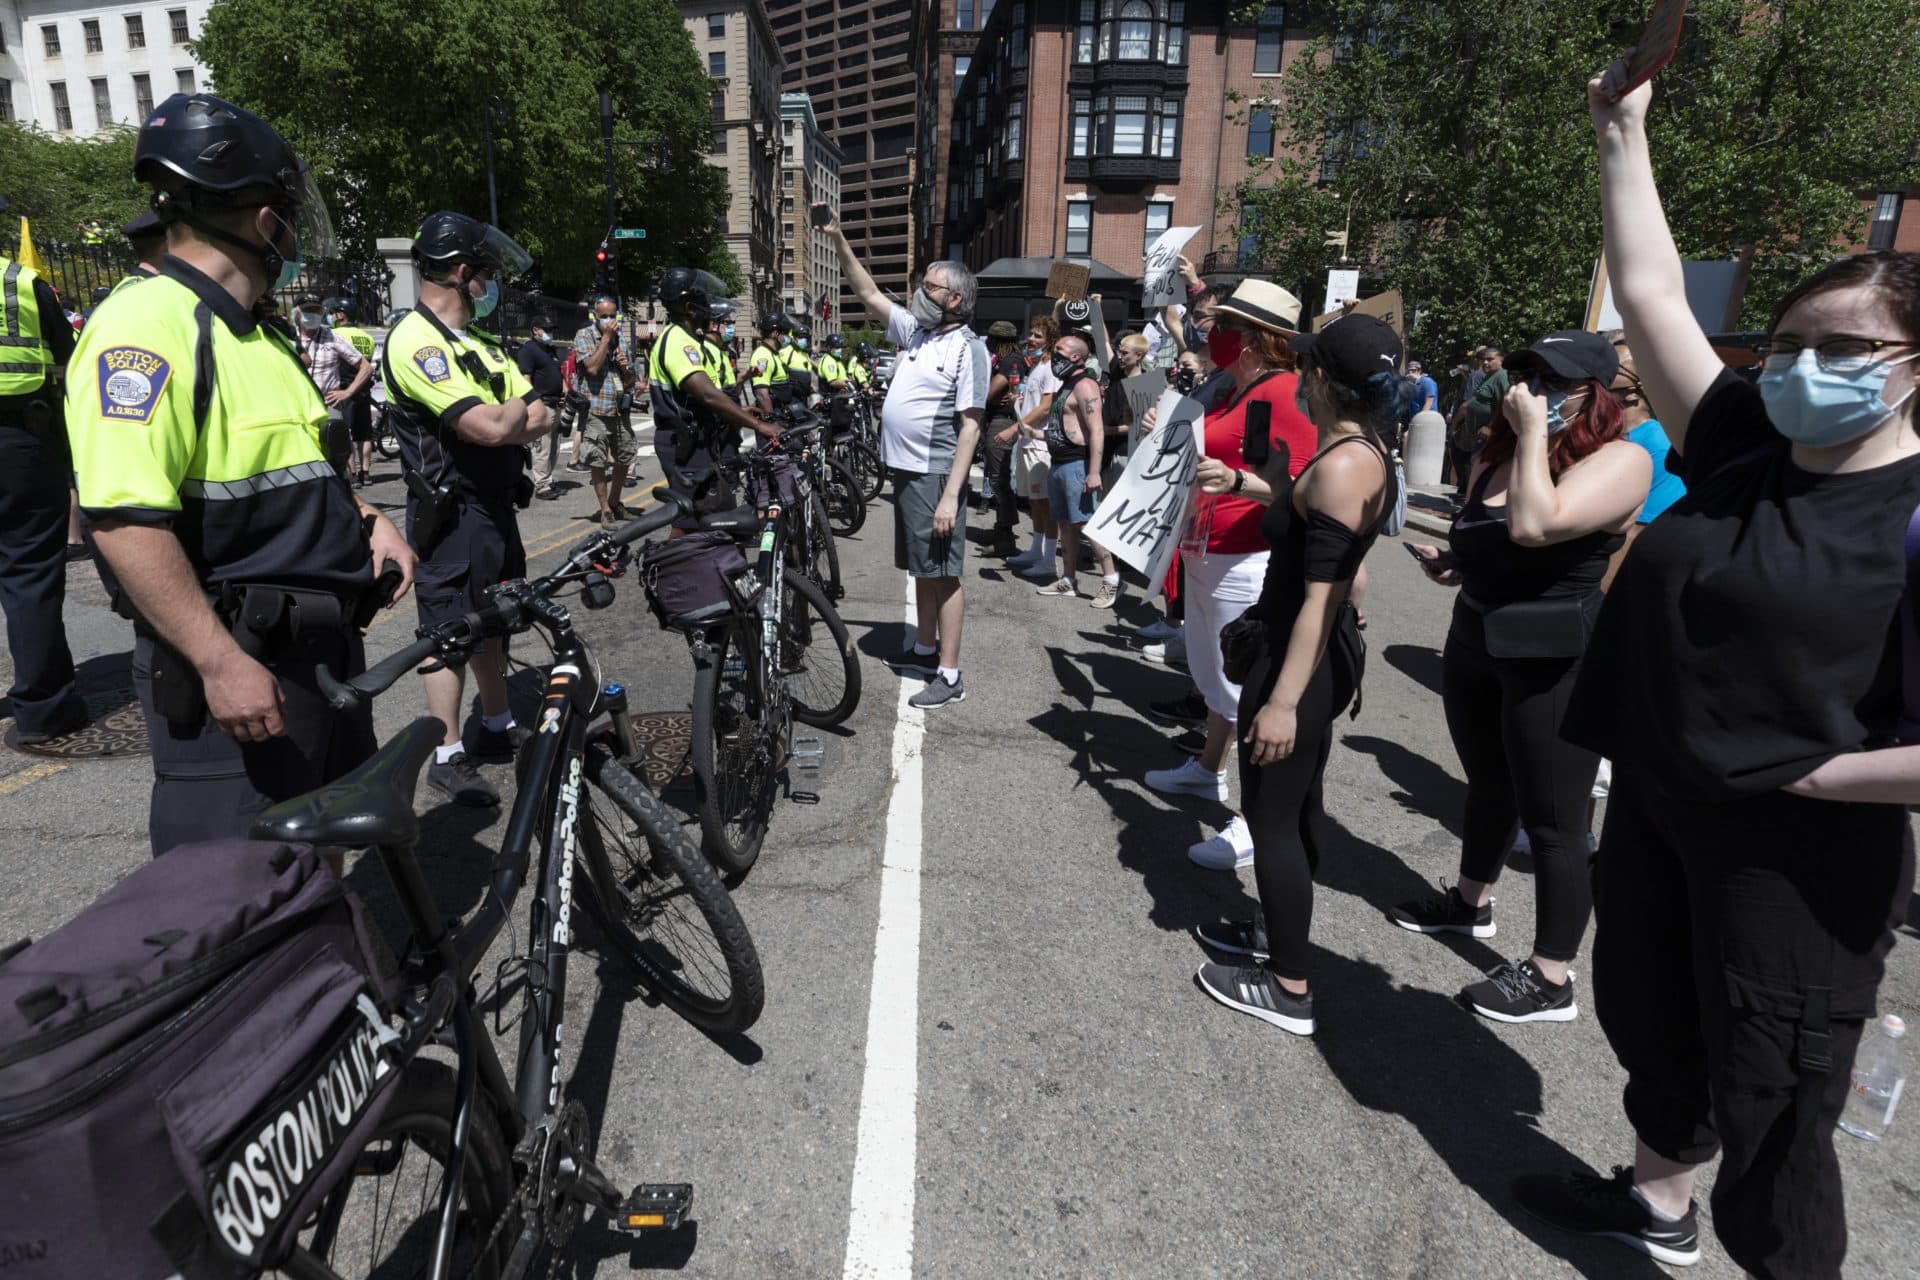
481, 549
1737, 951
209, 786
695, 477
33, 577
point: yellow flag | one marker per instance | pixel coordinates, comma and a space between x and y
29, 256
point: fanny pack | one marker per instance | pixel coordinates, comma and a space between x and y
1247, 639
1537, 628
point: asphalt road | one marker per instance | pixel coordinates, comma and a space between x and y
1078, 1107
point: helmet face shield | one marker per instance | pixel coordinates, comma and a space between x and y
309, 216
502, 250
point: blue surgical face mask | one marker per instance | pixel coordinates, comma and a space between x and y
802, 343
726, 331
1821, 407
1555, 401
484, 304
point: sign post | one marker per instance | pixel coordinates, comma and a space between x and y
630, 233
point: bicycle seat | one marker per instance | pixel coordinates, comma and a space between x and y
373, 805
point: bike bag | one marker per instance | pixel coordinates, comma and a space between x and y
686, 577
187, 1066
774, 484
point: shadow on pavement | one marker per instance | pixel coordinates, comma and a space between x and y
1425, 788
1416, 662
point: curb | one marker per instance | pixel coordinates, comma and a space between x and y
1430, 523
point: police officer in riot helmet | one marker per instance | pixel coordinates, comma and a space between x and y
767, 366
695, 423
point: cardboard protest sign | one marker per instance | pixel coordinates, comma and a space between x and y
1716, 291
1383, 306
1657, 45
1143, 391
1142, 517
1160, 281
1069, 280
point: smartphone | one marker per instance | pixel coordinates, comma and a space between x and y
820, 214
1256, 447
1415, 552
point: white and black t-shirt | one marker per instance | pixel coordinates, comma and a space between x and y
937, 377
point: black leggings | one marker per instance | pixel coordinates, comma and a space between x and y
1737, 950
1504, 717
1282, 804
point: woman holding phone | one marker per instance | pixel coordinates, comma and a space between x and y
1548, 503
1745, 676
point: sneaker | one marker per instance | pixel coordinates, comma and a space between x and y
1520, 993
1255, 991
578, 466
1157, 630
1445, 913
1107, 596
497, 746
1231, 849
1585, 1204
1235, 937
620, 511
1193, 742
1172, 652
1058, 587
1190, 709
1188, 778
919, 664
547, 494
938, 693
1002, 545
461, 782
1025, 560
1040, 571
77, 551
608, 520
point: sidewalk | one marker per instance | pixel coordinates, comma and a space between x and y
1430, 509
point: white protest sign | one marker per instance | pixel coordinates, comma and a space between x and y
1141, 518
1342, 283
1163, 259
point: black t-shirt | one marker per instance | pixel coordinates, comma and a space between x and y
1012, 368
1752, 633
542, 370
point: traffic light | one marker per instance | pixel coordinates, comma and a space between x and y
602, 269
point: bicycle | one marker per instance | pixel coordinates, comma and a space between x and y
851, 450
509, 1164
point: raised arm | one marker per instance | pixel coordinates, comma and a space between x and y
1102, 350
1671, 352
878, 306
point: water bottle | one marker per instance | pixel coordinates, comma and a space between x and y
1877, 1080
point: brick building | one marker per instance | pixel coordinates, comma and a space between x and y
850, 58
809, 175
1084, 128
944, 36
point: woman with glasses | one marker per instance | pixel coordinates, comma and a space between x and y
1745, 675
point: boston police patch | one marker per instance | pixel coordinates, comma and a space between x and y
131, 380
433, 363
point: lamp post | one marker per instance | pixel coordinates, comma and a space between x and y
494, 113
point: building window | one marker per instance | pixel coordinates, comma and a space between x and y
1082, 127
960, 68
963, 15
786, 180
1260, 132
1079, 228
143, 95
1159, 219
50, 37
1136, 31
1129, 126
1268, 34
102, 104
786, 231
62, 109
719, 142
183, 80
1170, 130
136, 31
1017, 36
6, 101
953, 199
979, 182
786, 204
717, 63
1083, 34
980, 112
177, 24
1011, 148
718, 101
1249, 243
716, 24
786, 127
90, 32
786, 255
786, 280
1175, 51
1886, 220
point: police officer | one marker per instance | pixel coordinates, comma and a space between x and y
464, 416
695, 423
358, 409
767, 368
719, 346
861, 369
800, 364
834, 376
35, 341
244, 559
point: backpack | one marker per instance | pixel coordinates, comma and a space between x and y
188, 1066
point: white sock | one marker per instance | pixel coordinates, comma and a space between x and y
443, 754
1111, 579
497, 724
1659, 1214
950, 674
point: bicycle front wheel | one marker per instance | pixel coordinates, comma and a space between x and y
737, 751
817, 655
846, 512
825, 569
863, 464
662, 905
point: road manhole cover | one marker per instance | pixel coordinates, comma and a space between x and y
117, 729
665, 739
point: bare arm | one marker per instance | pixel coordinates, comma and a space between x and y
1086, 402
877, 304
725, 407
1671, 352
596, 360
1890, 775
515, 422
1604, 490
946, 513
1040, 412
1170, 321
1101, 348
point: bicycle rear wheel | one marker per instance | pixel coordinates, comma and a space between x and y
817, 655
863, 464
826, 551
661, 905
384, 1219
846, 512
736, 751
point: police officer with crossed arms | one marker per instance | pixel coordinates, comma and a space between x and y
243, 557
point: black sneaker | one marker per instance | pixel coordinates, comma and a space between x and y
1237, 937
1520, 993
1188, 710
917, 664
461, 782
1255, 990
1447, 913
496, 746
1193, 742
1588, 1205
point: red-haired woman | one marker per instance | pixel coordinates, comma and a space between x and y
1550, 500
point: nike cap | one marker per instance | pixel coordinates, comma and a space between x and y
1573, 354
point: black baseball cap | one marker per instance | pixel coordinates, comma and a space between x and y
1352, 349
1573, 354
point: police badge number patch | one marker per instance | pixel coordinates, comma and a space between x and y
433, 363
131, 380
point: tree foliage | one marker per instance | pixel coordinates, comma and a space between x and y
1457, 136
388, 103
60, 185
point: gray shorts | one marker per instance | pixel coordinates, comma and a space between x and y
915, 549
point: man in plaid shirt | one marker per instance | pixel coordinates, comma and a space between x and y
338, 370
604, 371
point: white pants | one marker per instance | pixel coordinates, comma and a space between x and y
1220, 588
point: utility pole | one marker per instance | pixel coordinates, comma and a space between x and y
613, 217
493, 114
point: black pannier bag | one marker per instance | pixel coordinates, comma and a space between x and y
686, 577
188, 1066
776, 483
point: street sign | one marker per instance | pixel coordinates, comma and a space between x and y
630, 233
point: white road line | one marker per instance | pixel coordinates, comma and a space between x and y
880, 1227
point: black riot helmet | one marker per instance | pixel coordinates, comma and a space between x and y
447, 238
688, 292
337, 306
833, 342
772, 322
719, 310
865, 351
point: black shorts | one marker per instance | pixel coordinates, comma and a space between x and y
481, 549
359, 414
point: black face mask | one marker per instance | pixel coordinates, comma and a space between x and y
1184, 380
1064, 365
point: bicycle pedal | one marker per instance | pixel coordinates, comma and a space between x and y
804, 797
655, 1206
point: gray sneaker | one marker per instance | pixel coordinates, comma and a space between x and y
939, 693
461, 783
1058, 587
1107, 596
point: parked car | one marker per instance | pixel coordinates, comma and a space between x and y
883, 365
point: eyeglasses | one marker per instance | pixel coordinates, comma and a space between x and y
1844, 354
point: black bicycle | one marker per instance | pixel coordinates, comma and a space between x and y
850, 447
470, 1173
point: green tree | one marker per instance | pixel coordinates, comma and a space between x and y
60, 184
1456, 137
388, 103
